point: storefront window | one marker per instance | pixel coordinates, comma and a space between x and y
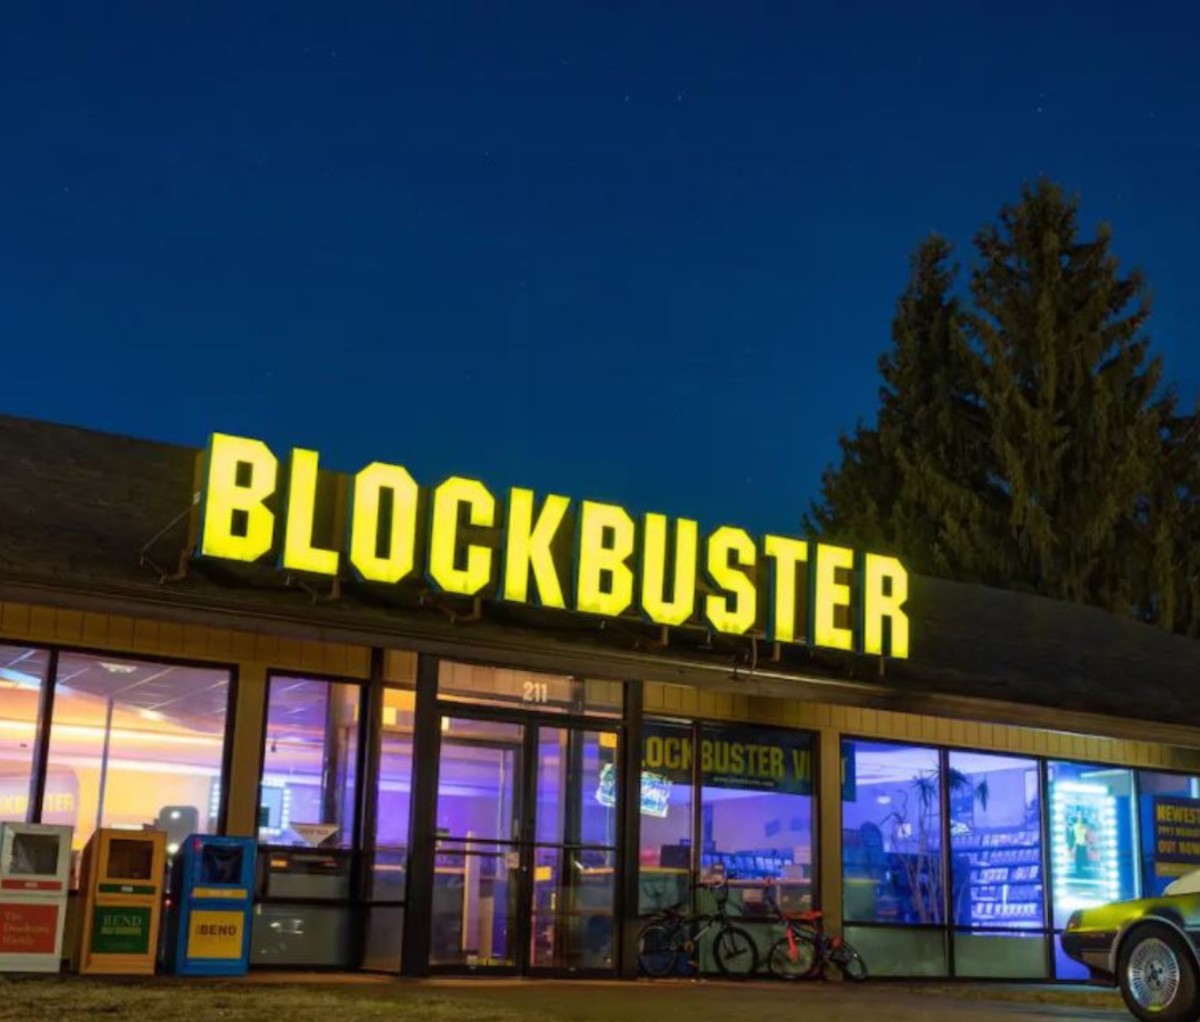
481, 684
393, 797
892, 855
997, 866
665, 861
1093, 852
387, 857
22, 678
307, 797
135, 744
757, 813
891, 834
1169, 813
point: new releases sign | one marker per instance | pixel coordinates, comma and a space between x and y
1176, 835
594, 558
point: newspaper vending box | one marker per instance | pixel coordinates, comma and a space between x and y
35, 873
122, 888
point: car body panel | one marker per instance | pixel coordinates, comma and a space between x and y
1094, 935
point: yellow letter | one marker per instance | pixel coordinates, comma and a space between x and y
389, 557
299, 554
735, 611
527, 545
880, 574
828, 595
787, 553
597, 559
448, 499
681, 604
239, 476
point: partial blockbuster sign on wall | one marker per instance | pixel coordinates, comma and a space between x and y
583, 556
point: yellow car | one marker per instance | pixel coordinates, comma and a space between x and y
1147, 948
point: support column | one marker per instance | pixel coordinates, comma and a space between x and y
427, 740
629, 777
245, 757
829, 829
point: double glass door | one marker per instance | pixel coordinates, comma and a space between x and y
526, 846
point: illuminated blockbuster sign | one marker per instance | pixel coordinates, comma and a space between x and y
582, 556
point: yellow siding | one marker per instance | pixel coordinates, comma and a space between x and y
252, 650
149, 638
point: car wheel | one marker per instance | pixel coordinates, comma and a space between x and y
1157, 976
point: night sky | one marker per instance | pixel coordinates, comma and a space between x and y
641, 252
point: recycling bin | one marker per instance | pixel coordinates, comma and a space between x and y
122, 888
35, 874
212, 894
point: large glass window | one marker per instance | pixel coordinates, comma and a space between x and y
22, 678
387, 857
667, 820
892, 855
1093, 851
307, 796
997, 866
135, 744
393, 797
757, 811
1169, 813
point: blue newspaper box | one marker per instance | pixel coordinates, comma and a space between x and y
212, 893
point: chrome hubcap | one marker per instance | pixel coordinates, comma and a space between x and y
1153, 974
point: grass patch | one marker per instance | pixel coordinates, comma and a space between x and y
35, 1000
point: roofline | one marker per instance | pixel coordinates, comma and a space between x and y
617, 664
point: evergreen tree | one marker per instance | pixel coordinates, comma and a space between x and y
1026, 439
913, 483
1075, 418
1171, 581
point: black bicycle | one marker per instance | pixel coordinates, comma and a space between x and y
673, 938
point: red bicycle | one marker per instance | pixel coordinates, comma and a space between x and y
805, 951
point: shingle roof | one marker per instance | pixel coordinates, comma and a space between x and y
77, 508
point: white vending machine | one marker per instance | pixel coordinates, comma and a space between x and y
35, 874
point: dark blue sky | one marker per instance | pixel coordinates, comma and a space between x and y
643, 252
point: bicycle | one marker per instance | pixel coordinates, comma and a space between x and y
672, 933
805, 951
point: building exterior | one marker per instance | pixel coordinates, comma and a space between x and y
450, 772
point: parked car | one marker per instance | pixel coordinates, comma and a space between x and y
1147, 948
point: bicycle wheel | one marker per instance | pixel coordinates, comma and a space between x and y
658, 949
849, 962
735, 952
793, 959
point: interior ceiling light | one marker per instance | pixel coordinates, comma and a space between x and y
18, 679
117, 668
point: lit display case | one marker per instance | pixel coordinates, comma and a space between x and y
1085, 845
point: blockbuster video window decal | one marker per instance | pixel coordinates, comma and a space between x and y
583, 556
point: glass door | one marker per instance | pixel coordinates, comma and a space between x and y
526, 847
574, 851
479, 863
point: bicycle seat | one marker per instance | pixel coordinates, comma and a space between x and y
804, 917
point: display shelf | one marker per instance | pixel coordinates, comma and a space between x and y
1004, 879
